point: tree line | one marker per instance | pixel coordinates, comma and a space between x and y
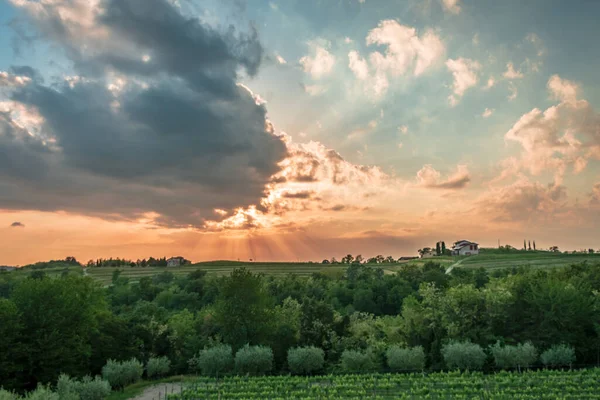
71, 324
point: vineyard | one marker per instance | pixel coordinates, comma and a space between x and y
544, 384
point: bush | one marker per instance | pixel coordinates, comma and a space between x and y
215, 361
66, 388
6, 395
558, 356
254, 360
132, 370
42, 393
86, 389
93, 389
353, 361
305, 360
463, 355
121, 374
519, 356
158, 366
405, 359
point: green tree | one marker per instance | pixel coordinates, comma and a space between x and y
214, 361
11, 357
305, 360
438, 249
463, 355
243, 309
59, 317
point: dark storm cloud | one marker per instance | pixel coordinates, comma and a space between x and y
177, 136
17, 225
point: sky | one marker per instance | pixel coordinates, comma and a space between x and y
294, 130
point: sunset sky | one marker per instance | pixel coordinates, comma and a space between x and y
296, 129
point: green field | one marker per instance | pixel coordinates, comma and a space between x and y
527, 259
486, 260
104, 274
578, 384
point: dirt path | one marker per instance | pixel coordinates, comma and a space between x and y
158, 392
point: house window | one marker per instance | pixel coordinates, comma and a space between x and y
470, 247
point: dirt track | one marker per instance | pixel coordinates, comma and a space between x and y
158, 392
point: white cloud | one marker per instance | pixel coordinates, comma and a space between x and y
12, 80
562, 136
321, 64
487, 112
403, 129
315, 90
280, 59
406, 52
464, 71
511, 73
490, 83
405, 49
475, 39
513, 91
400, 145
451, 6
429, 177
563, 90
347, 40
358, 65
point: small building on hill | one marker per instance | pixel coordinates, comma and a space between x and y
177, 261
465, 248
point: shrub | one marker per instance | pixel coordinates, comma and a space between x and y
42, 393
405, 359
519, 356
305, 360
463, 355
132, 370
86, 389
215, 361
121, 374
558, 356
158, 366
353, 361
66, 388
92, 389
254, 360
6, 395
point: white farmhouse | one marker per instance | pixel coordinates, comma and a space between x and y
465, 248
176, 261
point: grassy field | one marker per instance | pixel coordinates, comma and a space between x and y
527, 259
104, 274
486, 260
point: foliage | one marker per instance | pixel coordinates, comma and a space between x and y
541, 384
305, 360
215, 361
74, 325
558, 356
242, 309
86, 389
405, 359
121, 374
6, 395
158, 366
520, 356
354, 361
42, 393
254, 360
463, 355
